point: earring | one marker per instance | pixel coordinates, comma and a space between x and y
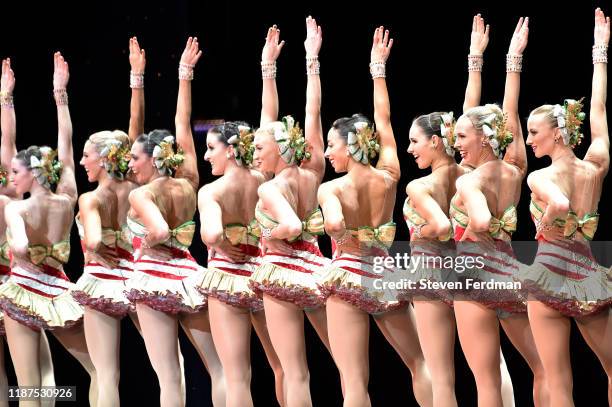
227, 155
556, 140
484, 143
348, 153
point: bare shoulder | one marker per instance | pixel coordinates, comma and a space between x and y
89, 200
333, 186
419, 186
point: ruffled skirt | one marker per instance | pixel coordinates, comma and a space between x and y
292, 278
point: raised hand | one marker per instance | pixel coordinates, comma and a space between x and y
137, 56
7, 81
602, 28
519, 38
192, 52
60, 72
480, 36
272, 47
314, 37
381, 45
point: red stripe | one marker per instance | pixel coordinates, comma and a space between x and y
124, 254
34, 290
108, 276
307, 247
38, 281
229, 261
573, 246
292, 267
161, 263
53, 272
360, 272
565, 259
495, 271
563, 272
94, 264
352, 259
234, 271
5, 270
496, 259
294, 257
161, 274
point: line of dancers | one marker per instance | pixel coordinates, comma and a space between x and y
261, 220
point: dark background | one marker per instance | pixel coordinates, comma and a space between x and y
426, 72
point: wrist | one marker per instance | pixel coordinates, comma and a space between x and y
475, 62
268, 69
6, 99
61, 96
600, 53
136, 79
514, 63
378, 69
185, 71
313, 66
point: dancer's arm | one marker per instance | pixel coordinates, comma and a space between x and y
8, 123
515, 152
143, 204
18, 241
67, 183
312, 125
332, 210
599, 150
289, 225
137, 102
479, 40
182, 120
269, 93
437, 222
388, 160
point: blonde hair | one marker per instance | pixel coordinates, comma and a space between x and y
101, 139
478, 115
548, 112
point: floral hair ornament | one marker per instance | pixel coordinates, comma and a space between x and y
48, 169
243, 145
569, 119
3, 176
291, 142
447, 131
116, 157
363, 143
166, 160
497, 132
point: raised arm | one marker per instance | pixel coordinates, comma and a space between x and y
8, 123
137, 102
67, 182
269, 93
312, 125
479, 40
599, 150
515, 152
381, 47
182, 120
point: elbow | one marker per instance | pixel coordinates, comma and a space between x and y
480, 224
334, 228
443, 229
212, 239
290, 230
93, 245
158, 235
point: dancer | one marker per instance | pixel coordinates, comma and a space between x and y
484, 210
37, 294
102, 222
161, 227
231, 232
358, 210
290, 222
565, 280
426, 214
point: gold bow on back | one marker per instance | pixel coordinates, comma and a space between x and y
506, 223
59, 251
237, 233
382, 235
111, 237
184, 233
314, 224
5, 251
587, 225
